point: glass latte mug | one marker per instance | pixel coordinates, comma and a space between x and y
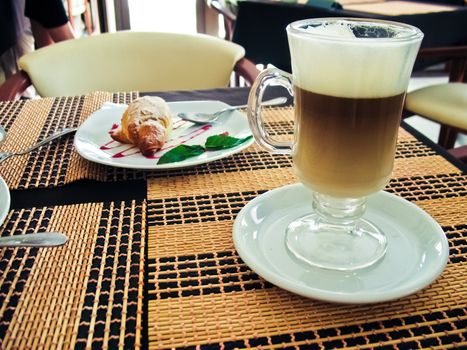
349, 82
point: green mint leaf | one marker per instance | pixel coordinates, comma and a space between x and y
181, 152
222, 141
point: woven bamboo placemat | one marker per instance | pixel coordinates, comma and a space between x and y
29, 121
58, 163
201, 295
87, 294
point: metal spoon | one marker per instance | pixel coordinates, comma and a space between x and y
203, 118
63, 132
42, 239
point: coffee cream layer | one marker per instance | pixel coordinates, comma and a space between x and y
339, 64
349, 94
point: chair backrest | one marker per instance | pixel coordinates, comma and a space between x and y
124, 61
224, 10
260, 28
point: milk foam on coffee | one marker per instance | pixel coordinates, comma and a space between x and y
349, 87
332, 60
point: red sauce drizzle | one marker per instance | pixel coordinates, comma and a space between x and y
122, 153
173, 142
108, 146
181, 139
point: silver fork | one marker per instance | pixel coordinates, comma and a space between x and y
63, 132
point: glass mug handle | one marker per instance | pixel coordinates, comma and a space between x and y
265, 79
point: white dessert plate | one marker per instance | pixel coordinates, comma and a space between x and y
93, 141
4, 200
416, 255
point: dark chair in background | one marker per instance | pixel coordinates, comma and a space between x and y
443, 2
260, 29
227, 15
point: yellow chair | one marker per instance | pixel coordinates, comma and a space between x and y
125, 61
446, 103
443, 103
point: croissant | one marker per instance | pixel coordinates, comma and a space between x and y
146, 123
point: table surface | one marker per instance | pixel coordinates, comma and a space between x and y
395, 8
150, 261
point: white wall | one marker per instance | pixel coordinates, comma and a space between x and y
163, 15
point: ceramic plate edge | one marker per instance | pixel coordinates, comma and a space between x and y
331, 296
4, 188
226, 153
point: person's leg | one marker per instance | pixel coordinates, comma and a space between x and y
63, 32
49, 21
41, 35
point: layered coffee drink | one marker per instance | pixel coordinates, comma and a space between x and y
349, 81
347, 111
345, 146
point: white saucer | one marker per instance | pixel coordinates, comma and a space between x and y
416, 255
4, 200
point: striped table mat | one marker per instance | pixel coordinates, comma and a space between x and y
58, 163
29, 121
87, 294
201, 294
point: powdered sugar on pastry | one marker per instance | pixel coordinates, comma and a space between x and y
146, 123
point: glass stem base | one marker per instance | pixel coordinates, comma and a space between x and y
335, 236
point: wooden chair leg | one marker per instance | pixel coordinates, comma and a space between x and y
247, 70
460, 153
447, 137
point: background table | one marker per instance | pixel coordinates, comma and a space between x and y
150, 262
394, 7
260, 25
